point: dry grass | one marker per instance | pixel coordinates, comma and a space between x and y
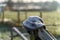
48, 17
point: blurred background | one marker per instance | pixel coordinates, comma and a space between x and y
49, 10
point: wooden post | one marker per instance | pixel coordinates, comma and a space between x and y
25, 14
3, 16
40, 14
18, 16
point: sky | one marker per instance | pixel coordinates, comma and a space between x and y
33, 0
42, 0
58, 1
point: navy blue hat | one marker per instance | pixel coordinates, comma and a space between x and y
33, 22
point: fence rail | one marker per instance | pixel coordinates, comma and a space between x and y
53, 25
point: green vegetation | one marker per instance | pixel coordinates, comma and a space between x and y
49, 18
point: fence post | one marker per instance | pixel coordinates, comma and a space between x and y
3, 15
18, 16
26, 14
41, 14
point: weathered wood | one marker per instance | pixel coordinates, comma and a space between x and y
18, 16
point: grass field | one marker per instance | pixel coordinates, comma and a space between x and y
49, 18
